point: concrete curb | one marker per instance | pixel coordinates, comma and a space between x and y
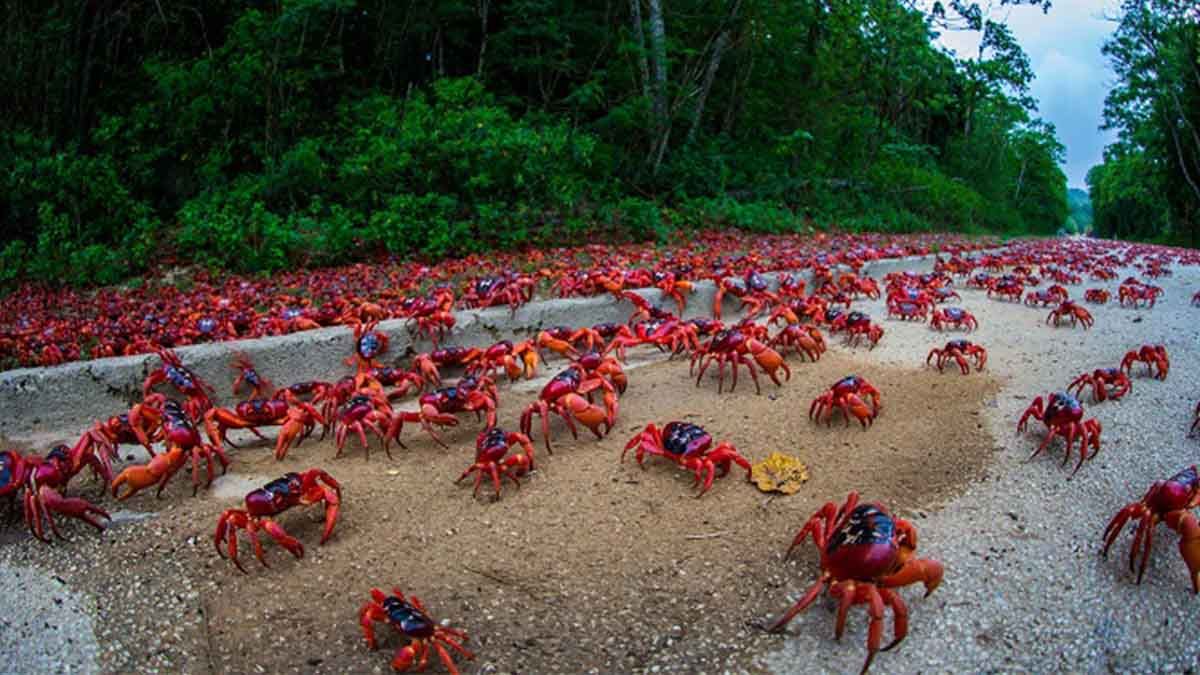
40, 406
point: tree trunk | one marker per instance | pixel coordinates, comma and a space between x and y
483, 39
639, 35
658, 64
710, 74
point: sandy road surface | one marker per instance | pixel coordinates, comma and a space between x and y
593, 564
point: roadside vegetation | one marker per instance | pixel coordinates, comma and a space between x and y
1148, 186
256, 137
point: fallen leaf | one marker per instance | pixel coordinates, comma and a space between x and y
779, 473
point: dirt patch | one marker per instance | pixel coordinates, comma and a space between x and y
592, 564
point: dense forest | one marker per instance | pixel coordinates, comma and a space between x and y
258, 135
1079, 212
1149, 184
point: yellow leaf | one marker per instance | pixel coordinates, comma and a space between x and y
779, 473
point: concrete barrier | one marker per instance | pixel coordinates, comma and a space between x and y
39, 406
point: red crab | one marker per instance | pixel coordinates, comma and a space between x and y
1007, 288
184, 380
1106, 383
428, 364
674, 337
1044, 298
403, 382
43, 481
1196, 299
516, 360
857, 326
865, 553
1098, 296
565, 395
430, 317
173, 425
1063, 416
1131, 292
644, 311
673, 288
847, 395
752, 293
908, 311
689, 446
293, 489
558, 340
297, 421
1168, 502
953, 317
958, 350
106, 436
1155, 358
369, 345
598, 336
365, 409
733, 346
410, 618
247, 375
475, 394
804, 340
811, 308
509, 289
491, 446
1072, 311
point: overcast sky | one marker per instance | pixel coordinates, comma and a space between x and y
1072, 75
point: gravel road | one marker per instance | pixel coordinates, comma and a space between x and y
1026, 588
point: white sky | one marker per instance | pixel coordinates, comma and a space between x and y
1072, 75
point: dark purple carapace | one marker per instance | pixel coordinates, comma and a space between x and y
491, 439
727, 340
369, 346
756, 282
8, 469
260, 409
275, 497
251, 377
954, 313
179, 428
847, 385
960, 345
863, 547
606, 330
487, 285
832, 314
410, 620
685, 438
387, 376
452, 399
562, 384
357, 408
181, 378
856, 317
206, 325
1062, 407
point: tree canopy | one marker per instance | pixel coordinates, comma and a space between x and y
1148, 186
259, 135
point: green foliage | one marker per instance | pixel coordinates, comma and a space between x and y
1148, 186
1080, 205
263, 136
